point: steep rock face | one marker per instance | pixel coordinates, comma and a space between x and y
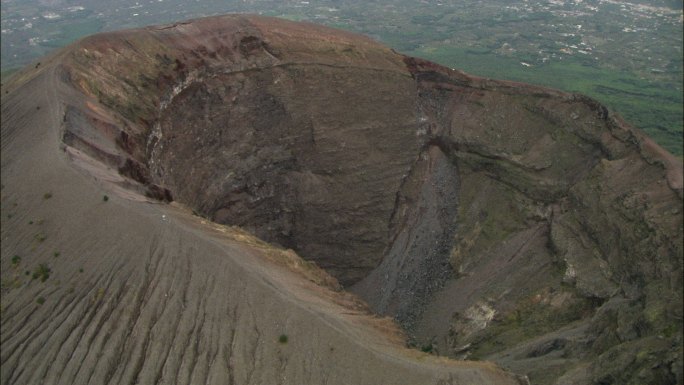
492, 219
299, 153
298, 133
569, 223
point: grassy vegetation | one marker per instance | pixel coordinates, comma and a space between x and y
42, 272
99, 294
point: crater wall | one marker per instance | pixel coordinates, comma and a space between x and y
493, 220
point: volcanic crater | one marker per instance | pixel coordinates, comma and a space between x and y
492, 220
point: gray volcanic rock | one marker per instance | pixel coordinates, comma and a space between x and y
493, 220
567, 249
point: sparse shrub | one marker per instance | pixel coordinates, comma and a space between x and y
13, 284
9, 216
47, 195
41, 237
105, 198
56, 254
426, 348
80, 270
40, 300
15, 260
30, 222
283, 339
42, 272
99, 294
671, 330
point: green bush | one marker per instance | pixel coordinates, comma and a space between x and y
42, 272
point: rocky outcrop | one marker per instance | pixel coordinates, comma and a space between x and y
493, 220
565, 215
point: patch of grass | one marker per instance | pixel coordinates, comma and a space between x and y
15, 283
283, 339
42, 272
99, 294
40, 237
671, 330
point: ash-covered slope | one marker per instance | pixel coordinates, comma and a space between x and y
492, 219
